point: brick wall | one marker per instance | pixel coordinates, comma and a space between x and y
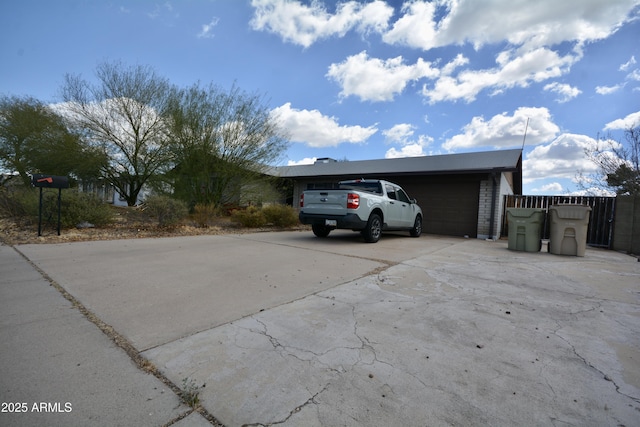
484, 207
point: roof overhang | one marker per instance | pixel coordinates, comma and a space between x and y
498, 161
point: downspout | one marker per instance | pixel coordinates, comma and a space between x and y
494, 195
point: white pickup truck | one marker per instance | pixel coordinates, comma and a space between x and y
368, 206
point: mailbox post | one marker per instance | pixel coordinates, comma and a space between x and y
49, 181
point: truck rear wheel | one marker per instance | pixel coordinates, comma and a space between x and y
320, 230
373, 230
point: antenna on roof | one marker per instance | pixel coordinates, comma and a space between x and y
525, 133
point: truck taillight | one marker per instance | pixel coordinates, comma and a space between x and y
353, 201
302, 200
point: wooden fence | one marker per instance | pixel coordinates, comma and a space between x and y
600, 231
626, 233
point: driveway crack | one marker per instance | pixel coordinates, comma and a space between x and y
309, 401
590, 365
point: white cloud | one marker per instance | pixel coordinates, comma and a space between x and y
164, 13
627, 65
207, 29
314, 129
548, 189
303, 24
608, 90
402, 134
630, 120
531, 29
416, 27
513, 70
373, 79
502, 130
399, 133
430, 24
594, 191
560, 159
411, 150
566, 92
522, 23
634, 75
305, 161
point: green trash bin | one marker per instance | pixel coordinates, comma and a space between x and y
525, 229
568, 229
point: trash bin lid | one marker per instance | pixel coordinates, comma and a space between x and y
571, 211
524, 212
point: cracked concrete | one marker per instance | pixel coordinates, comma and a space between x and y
430, 331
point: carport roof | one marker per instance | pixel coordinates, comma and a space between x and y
479, 162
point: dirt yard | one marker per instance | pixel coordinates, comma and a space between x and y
129, 223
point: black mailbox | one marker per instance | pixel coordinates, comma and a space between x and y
49, 181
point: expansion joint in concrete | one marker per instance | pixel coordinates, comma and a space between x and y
119, 340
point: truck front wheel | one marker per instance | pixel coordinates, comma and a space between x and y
320, 230
373, 230
416, 231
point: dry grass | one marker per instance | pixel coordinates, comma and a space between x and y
129, 223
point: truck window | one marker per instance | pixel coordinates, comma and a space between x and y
370, 187
402, 196
391, 192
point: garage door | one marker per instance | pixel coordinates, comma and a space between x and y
450, 206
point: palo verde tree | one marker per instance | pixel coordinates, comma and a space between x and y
618, 162
221, 141
34, 138
124, 116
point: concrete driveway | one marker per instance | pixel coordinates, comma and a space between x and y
288, 329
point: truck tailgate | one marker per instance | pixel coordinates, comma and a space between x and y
330, 202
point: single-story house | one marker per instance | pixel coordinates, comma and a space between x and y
460, 194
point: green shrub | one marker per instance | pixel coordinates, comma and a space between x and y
280, 215
18, 203
168, 211
77, 208
250, 217
24, 204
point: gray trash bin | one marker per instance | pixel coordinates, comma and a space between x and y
525, 229
568, 229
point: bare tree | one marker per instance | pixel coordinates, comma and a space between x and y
124, 115
618, 163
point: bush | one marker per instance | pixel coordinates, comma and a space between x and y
18, 203
250, 217
277, 215
77, 208
202, 213
280, 215
24, 204
168, 211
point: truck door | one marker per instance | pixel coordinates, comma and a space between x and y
406, 211
394, 208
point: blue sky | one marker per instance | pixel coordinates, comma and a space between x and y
363, 80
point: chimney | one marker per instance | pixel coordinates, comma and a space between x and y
325, 160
